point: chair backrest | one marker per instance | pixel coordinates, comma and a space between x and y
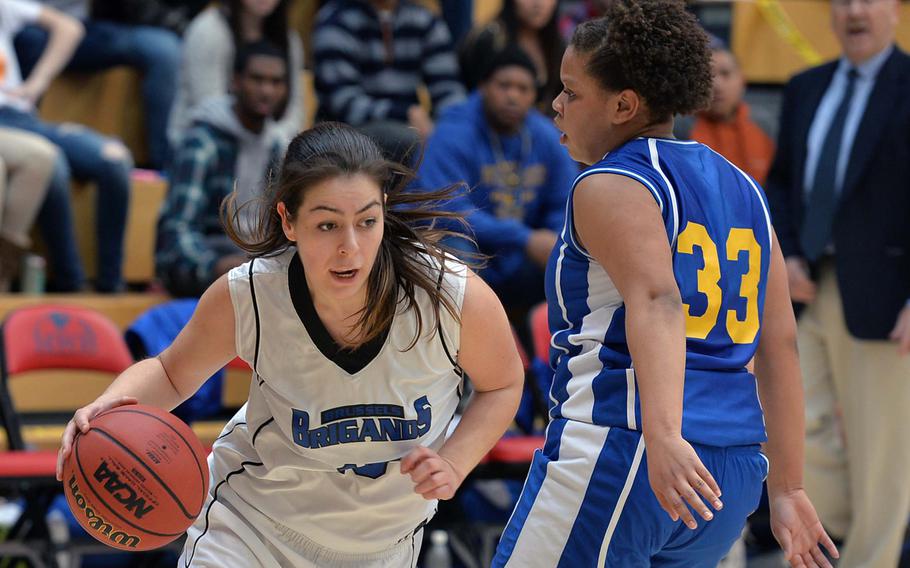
60, 339
522, 353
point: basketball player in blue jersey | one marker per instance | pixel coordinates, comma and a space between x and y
357, 324
665, 282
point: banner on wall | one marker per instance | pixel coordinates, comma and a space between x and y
775, 39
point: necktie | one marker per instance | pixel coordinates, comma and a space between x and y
823, 196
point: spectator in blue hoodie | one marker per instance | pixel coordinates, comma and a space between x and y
232, 142
517, 175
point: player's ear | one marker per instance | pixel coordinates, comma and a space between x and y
626, 106
286, 224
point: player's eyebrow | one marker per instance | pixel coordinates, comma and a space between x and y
373, 203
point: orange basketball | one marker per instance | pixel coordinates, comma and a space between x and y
137, 479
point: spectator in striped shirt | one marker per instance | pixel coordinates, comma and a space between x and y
370, 58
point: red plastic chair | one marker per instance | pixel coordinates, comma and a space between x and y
239, 364
540, 331
41, 338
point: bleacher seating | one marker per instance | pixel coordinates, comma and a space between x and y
147, 192
77, 97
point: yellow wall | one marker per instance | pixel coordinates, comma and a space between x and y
767, 58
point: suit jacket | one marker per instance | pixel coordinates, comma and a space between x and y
871, 230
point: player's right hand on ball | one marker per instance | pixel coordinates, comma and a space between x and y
678, 477
80, 422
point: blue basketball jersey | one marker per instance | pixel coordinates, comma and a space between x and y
719, 231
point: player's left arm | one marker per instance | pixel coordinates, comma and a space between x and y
488, 355
621, 226
793, 518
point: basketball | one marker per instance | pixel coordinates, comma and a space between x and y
137, 479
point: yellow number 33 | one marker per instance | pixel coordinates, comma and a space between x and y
739, 240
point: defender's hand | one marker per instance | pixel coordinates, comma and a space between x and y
796, 527
678, 477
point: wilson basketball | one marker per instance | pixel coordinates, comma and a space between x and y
137, 479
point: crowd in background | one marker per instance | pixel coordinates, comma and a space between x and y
222, 95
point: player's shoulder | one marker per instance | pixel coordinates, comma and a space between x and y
632, 158
264, 266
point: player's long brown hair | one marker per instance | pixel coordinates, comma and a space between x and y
411, 250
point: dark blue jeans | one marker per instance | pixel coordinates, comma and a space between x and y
155, 52
459, 16
91, 157
55, 219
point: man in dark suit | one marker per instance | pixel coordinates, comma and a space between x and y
839, 190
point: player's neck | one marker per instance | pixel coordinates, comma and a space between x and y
339, 317
658, 130
338, 309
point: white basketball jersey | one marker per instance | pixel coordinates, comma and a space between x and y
317, 446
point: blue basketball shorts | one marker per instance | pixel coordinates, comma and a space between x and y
587, 503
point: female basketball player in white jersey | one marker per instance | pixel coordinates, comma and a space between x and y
664, 275
357, 326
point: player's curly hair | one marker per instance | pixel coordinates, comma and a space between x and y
654, 47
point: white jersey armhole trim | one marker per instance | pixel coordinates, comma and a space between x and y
570, 230
238, 286
454, 284
655, 163
559, 298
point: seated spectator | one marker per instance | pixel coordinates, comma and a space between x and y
174, 15
370, 58
26, 166
728, 126
90, 156
209, 46
116, 34
519, 176
232, 140
532, 25
458, 16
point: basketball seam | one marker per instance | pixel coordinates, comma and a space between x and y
208, 509
91, 487
149, 469
202, 477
